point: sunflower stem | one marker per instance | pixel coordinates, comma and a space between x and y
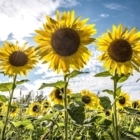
8, 110
65, 107
115, 120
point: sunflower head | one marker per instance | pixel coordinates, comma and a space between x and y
17, 60
123, 100
90, 100
34, 109
14, 111
108, 113
45, 105
136, 104
56, 96
63, 42
121, 50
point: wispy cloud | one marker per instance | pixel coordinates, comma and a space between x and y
21, 18
100, 17
114, 6
104, 15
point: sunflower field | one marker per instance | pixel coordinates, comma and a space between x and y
65, 115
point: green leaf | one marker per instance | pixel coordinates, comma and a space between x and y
122, 79
60, 124
58, 107
137, 129
29, 127
93, 135
25, 122
4, 87
132, 110
58, 84
44, 118
76, 111
1, 72
106, 123
21, 123
3, 98
105, 102
108, 91
22, 81
16, 124
128, 135
74, 74
103, 74
111, 135
75, 96
93, 119
100, 120
106, 136
118, 91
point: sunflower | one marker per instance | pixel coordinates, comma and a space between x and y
135, 104
121, 50
123, 100
34, 109
56, 96
62, 42
45, 105
14, 111
17, 60
107, 113
89, 99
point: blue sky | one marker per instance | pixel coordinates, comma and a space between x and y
19, 19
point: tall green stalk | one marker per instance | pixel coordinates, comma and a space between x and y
65, 107
115, 120
8, 110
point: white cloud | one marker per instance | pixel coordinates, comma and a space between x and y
114, 6
21, 18
104, 15
100, 17
88, 81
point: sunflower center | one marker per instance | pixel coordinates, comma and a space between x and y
107, 113
122, 100
12, 110
18, 59
135, 104
58, 94
120, 50
46, 105
86, 99
65, 41
36, 108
